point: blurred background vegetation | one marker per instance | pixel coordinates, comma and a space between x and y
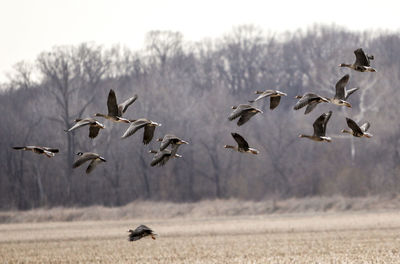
189, 88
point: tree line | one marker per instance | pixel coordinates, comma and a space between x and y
189, 87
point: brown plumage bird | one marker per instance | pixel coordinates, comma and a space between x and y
275, 97
49, 152
162, 156
244, 111
320, 128
148, 125
310, 100
115, 110
341, 93
140, 232
242, 145
362, 63
173, 141
94, 158
94, 126
357, 131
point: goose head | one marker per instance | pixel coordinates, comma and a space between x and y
344, 103
182, 142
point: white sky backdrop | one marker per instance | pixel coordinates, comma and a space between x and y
28, 27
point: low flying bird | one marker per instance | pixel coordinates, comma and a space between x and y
275, 97
162, 156
172, 140
140, 232
320, 128
94, 126
342, 94
115, 110
244, 111
49, 152
148, 125
242, 145
362, 63
357, 131
94, 160
310, 100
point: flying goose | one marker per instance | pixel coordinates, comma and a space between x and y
243, 146
162, 156
148, 125
362, 63
115, 110
273, 94
49, 152
342, 94
244, 111
140, 232
357, 131
320, 128
94, 126
94, 157
310, 100
172, 140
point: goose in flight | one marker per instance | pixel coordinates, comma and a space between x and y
310, 100
342, 94
244, 111
275, 97
357, 131
362, 63
140, 232
148, 125
49, 152
172, 140
94, 126
115, 110
242, 145
162, 156
93, 157
320, 128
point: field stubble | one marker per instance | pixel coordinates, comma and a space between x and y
291, 238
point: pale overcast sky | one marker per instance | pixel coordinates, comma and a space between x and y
29, 27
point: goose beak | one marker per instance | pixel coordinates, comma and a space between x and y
184, 142
282, 94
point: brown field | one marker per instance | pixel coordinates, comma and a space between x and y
287, 238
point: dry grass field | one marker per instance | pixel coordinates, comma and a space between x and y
287, 238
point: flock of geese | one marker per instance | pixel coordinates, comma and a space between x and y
309, 100
244, 112
115, 112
